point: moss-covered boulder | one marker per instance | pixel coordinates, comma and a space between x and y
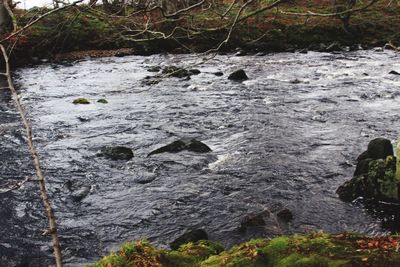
375, 175
188, 144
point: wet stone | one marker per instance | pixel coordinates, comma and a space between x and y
285, 215
154, 69
254, 220
102, 101
187, 144
178, 72
117, 153
239, 75
380, 148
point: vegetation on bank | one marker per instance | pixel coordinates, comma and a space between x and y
314, 250
283, 28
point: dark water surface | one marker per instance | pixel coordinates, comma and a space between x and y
286, 138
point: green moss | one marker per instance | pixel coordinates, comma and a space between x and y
314, 250
202, 249
81, 100
381, 174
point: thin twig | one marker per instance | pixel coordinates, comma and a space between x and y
16, 186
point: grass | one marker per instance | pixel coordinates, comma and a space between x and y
314, 250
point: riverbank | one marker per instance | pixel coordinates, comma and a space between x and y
86, 33
314, 250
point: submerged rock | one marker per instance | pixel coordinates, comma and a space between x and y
254, 220
188, 144
81, 100
117, 153
154, 69
80, 193
285, 215
102, 101
374, 177
239, 75
191, 236
179, 72
77, 192
394, 72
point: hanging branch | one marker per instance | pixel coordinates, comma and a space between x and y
42, 184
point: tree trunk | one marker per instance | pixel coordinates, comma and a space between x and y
6, 19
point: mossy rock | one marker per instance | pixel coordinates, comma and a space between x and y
102, 101
81, 101
379, 183
375, 175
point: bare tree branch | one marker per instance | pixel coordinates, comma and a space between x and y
14, 33
42, 184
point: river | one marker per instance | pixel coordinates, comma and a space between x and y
285, 138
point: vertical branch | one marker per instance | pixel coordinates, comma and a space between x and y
11, 14
36, 162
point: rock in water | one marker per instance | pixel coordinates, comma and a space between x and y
102, 101
117, 153
81, 193
188, 144
192, 236
285, 215
380, 148
375, 175
81, 101
179, 72
254, 220
239, 75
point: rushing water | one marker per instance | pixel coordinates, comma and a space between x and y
286, 138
